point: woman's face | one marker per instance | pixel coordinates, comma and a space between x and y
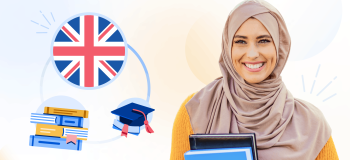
253, 51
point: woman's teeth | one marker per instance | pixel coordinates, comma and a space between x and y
254, 66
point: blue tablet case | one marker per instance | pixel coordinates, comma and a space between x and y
244, 153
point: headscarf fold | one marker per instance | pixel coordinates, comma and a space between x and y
286, 127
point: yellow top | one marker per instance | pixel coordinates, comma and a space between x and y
182, 129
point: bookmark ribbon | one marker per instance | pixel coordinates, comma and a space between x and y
125, 130
71, 138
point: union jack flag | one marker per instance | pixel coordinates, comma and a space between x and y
89, 51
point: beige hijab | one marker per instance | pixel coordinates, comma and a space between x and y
286, 127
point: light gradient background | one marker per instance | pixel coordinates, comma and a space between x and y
180, 43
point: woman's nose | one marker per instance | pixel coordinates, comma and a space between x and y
252, 52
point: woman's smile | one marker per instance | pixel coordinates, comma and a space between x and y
254, 66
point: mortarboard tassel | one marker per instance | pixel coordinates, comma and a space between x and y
125, 130
147, 126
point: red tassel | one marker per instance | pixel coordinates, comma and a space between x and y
147, 126
125, 130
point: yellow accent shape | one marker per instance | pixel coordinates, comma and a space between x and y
54, 130
182, 129
67, 112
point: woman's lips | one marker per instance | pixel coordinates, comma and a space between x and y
254, 69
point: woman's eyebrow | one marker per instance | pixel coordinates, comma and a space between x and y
239, 36
263, 36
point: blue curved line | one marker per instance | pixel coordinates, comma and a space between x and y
146, 72
148, 90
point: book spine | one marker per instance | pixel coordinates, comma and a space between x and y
53, 142
61, 131
193, 144
71, 121
57, 120
66, 112
255, 150
49, 130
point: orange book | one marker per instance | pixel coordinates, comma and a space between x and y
66, 112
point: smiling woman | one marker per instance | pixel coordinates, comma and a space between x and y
253, 51
251, 97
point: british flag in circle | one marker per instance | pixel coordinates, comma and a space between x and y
89, 51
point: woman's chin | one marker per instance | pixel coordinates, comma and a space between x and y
253, 79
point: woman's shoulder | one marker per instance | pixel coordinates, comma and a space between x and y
305, 106
182, 113
328, 151
187, 99
182, 118
181, 130
182, 126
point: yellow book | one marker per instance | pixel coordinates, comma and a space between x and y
61, 131
67, 112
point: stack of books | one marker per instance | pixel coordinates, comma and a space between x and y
60, 128
238, 146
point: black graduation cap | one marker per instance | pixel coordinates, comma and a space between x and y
133, 114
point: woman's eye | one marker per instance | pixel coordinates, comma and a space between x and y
264, 41
241, 42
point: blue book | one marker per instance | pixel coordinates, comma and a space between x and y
53, 142
57, 120
244, 153
135, 130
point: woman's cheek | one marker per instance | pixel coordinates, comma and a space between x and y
269, 53
236, 63
238, 54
